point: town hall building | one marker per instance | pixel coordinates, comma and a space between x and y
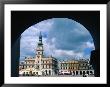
39, 65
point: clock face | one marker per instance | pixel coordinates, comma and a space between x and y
39, 48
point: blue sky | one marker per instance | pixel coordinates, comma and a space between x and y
63, 38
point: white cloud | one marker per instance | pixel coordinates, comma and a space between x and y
90, 45
64, 38
44, 26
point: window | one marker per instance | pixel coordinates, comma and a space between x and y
38, 52
49, 66
88, 72
37, 73
91, 72
38, 67
43, 66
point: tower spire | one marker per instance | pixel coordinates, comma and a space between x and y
40, 45
40, 39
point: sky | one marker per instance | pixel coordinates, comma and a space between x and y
63, 38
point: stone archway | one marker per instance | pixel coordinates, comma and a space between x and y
91, 20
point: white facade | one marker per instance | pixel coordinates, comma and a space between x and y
40, 65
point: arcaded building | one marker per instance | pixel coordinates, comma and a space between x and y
75, 67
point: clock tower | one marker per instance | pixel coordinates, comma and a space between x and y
40, 47
39, 54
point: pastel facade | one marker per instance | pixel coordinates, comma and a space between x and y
39, 65
75, 67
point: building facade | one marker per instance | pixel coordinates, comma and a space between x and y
39, 65
75, 67
68, 67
